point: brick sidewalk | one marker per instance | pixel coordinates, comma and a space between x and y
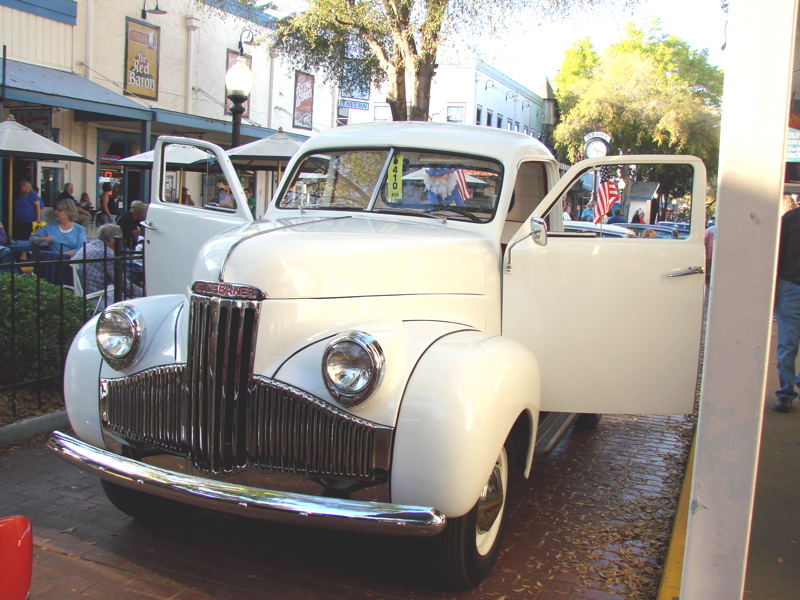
591, 523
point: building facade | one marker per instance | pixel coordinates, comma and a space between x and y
105, 79
474, 92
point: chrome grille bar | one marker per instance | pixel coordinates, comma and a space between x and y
147, 407
293, 432
221, 347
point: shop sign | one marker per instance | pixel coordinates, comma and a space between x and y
303, 100
38, 119
356, 104
142, 46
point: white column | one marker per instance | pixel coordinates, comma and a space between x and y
760, 48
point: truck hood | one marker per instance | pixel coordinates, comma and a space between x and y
350, 256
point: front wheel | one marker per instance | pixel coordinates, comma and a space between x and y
471, 544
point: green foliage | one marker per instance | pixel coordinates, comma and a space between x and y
651, 92
42, 337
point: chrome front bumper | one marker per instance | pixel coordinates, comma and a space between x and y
268, 505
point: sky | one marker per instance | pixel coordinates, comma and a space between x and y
529, 54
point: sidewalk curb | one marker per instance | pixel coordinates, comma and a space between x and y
671, 576
30, 428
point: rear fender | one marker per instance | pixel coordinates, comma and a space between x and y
461, 402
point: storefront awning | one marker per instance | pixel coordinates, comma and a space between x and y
51, 87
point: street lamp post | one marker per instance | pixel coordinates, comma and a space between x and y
239, 84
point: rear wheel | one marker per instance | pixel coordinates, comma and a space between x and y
587, 422
471, 544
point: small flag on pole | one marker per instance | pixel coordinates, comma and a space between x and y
607, 195
461, 184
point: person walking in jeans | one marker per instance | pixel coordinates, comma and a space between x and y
787, 309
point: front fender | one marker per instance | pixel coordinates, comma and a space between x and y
461, 402
84, 365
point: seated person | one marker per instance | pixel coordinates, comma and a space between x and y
84, 217
130, 222
98, 275
63, 234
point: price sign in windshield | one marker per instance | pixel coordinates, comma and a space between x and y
396, 178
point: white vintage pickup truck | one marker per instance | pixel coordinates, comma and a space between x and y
407, 326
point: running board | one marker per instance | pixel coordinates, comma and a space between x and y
551, 429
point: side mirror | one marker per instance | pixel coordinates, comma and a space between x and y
538, 231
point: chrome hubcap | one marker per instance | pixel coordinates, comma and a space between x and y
491, 501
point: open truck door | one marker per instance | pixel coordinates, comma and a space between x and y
176, 230
614, 320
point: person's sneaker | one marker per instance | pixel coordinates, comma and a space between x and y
783, 405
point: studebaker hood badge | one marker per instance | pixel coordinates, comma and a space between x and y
350, 256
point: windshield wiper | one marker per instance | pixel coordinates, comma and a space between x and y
411, 212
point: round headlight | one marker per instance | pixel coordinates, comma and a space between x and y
352, 367
119, 333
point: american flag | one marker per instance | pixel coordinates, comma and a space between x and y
607, 195
461, 184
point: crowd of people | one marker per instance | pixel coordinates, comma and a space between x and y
66, 234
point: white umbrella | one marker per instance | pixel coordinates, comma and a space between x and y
417, 175
18, 141
177, 154
267, 151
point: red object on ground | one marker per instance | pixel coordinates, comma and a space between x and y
16, 557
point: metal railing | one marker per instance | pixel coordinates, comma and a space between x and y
41, 311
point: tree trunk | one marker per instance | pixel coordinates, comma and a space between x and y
396, 95
421, 85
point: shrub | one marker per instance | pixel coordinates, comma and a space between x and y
46, 319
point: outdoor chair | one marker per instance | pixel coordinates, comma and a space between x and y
99, 299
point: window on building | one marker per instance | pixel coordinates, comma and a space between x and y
479, 115
489, 117
499, 121
383, 113
510, 125
455, 114
526, 130
343, 117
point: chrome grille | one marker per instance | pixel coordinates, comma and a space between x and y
146, 407
222, 335
224, 419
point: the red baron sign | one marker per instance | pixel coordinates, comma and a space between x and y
141, 59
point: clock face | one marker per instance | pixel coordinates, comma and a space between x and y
595, 148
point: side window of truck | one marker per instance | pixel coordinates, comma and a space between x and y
649, 201
529, 190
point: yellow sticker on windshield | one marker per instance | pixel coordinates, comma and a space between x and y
395, 179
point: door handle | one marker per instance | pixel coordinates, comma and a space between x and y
148, 225
689, 271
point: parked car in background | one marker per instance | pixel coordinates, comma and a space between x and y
659, 231
598, 229
388, 346
681, 227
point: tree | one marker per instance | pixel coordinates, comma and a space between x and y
367, 42
651, 92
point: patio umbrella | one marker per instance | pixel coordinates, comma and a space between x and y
266, 152
18, 141
177, 154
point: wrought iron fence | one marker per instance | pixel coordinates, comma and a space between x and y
44, 301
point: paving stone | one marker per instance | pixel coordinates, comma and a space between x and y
623, 475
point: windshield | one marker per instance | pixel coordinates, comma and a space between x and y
396, 181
